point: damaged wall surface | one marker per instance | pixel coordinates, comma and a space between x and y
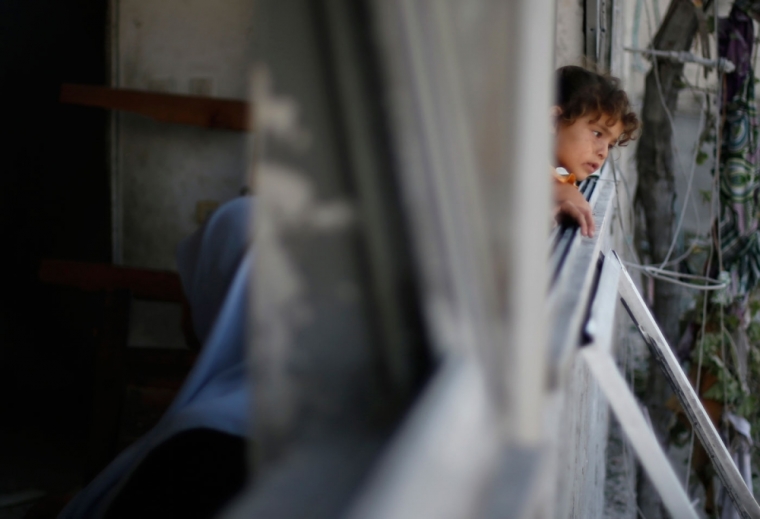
569, 36
160, 172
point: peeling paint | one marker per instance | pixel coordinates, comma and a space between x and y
159, 170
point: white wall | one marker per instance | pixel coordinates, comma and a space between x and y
570, 41
160, 170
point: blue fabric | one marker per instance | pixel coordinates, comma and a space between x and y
214, 265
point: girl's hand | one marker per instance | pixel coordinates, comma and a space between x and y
570, 203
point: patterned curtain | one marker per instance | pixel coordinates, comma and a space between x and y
740, 239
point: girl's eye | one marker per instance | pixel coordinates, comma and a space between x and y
597, 134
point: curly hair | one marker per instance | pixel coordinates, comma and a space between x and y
580, 92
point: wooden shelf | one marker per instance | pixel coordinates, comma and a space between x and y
94, 277
206, 112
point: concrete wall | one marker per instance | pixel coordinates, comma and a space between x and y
582, 446
161, 171
569, 38
697, 216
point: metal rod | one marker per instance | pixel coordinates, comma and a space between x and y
722, 64
722, 462
532, 66
634, 423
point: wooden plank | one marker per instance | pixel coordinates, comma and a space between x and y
206, 112
626, 409
93, 277
721, 459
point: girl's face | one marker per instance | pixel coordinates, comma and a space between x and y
582, 147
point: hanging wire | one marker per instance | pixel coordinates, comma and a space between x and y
694, 244
688, 187
676, 151
675, 261
715, 194
626, 236
657, 271
721, 103
704, 318
716, 239
672, 277
669, 276
654, 271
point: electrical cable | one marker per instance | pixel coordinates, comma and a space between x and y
669, 115
671, 277
670, 273
699, 364
715, 192
675, 261
688, 189
655, 271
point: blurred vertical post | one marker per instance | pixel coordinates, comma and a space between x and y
527, 149
470, 87
403, 211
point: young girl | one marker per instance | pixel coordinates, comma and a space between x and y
591, 116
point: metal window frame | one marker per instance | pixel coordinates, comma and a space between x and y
600, 21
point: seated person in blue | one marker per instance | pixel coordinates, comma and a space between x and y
193, 461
